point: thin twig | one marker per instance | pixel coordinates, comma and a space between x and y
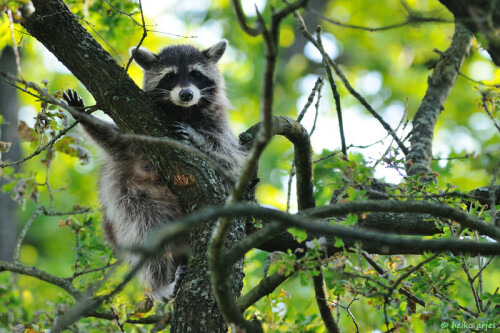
89, 271
411, 271
340, 74
410, 20
486, 109
338, 305
219, 271
48, 163
40, 275
316, 90
482, 268
486, 309
316, 113
317, 87
333, 86
478, 82
477, 299
447, 299
144, 35
14, 43
39, 211
291, 174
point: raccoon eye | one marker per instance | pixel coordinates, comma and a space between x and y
196, 74
169, 76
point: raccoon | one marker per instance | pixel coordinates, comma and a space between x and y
187, 85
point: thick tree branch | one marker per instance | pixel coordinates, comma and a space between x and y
383, 242
439, 86
438, 210
298, 135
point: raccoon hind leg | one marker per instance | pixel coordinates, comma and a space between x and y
164, 274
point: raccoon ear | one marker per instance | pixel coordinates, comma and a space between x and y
215, 52
143, 57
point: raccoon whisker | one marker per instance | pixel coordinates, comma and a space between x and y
209, 87
162, 92
208, 98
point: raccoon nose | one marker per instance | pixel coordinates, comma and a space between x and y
186, 95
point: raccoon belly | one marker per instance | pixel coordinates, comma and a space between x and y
132, 207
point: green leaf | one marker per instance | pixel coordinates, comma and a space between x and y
6, 188
339, 242
299, 234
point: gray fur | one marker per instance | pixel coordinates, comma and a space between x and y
133, 196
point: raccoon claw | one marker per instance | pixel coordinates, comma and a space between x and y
185, 132
181, 130
73, 99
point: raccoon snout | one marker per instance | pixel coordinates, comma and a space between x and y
186, 95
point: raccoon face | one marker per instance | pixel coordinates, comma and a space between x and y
181, 75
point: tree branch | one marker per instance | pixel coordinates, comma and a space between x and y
321, 300
41, 275
438, 210
439, 86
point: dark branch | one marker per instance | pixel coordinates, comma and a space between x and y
242, 21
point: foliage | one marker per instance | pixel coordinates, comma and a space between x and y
57, 197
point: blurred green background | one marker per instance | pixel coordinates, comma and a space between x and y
389, 68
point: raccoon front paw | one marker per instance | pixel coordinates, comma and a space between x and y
179, 275
185, 132
73, 99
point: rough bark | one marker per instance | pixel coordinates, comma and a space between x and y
9, 106
117, 95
